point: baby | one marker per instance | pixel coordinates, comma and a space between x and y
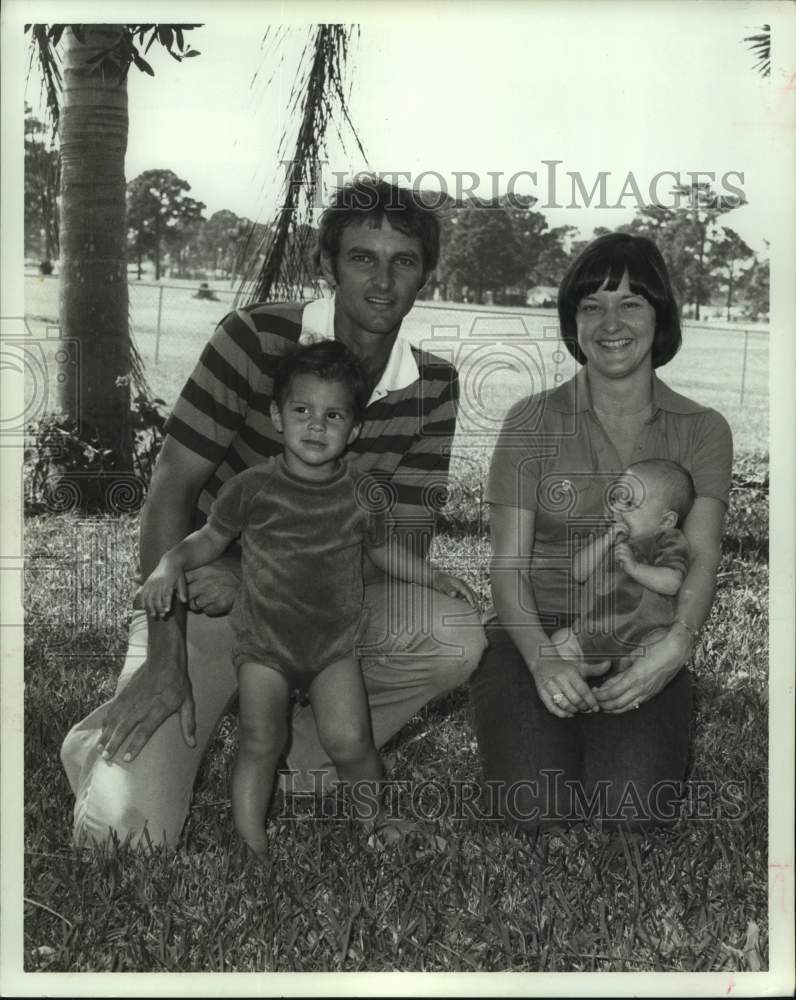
632, 573
304, 518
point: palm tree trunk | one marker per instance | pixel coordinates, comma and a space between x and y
93, 295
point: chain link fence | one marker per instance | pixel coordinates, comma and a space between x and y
721, 365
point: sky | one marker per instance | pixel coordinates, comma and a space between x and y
496, 90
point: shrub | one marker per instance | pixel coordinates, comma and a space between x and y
64, 471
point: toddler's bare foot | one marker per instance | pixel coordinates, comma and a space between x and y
387, 832
256, 846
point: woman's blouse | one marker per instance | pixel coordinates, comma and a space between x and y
554, 458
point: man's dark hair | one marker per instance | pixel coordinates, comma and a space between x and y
369, 199
330, 360
604, 261
671, 479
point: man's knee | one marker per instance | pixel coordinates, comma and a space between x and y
459, 644
101, 819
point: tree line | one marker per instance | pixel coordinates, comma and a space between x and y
492, 250
503, 248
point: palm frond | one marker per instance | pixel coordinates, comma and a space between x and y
760, 47
44, 41
319, 97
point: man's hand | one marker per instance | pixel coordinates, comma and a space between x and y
213, 589
154, 692
645, 673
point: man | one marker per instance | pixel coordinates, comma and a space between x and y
133, 761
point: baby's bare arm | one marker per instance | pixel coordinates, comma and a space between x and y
661, 579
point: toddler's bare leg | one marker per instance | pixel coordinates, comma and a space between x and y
340, 705
262, 734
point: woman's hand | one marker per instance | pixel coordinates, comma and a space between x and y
212, 589
646, 672
560, 685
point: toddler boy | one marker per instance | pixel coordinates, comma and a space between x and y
303, 518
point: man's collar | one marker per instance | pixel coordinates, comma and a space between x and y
317, 323
574, 396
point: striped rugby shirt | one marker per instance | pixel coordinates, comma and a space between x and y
223, 413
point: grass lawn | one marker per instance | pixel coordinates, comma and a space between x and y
457, 894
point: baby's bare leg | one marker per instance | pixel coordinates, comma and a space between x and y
262, 734
340, 705
566, 645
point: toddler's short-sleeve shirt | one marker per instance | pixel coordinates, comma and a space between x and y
301, 602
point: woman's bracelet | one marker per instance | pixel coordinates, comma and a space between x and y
693, 632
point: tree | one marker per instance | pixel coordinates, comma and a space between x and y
92, 126
93, 293
158, 209
755, 287
42, 180
685, 235
529, 232
140, 238
698, 234
484, 252
230, 243
183, 239
728, 255
552, 258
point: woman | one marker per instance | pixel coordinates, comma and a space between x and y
555, 743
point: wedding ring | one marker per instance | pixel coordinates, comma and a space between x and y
558, 698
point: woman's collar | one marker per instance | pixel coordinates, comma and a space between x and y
574, 396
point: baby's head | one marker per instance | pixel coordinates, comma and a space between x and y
651, 495
319, 398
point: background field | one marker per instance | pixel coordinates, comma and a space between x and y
457, 895
721, 366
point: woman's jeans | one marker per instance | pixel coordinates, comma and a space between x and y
540, 770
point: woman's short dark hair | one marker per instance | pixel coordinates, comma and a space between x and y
369, 199
604, 262
330, 360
